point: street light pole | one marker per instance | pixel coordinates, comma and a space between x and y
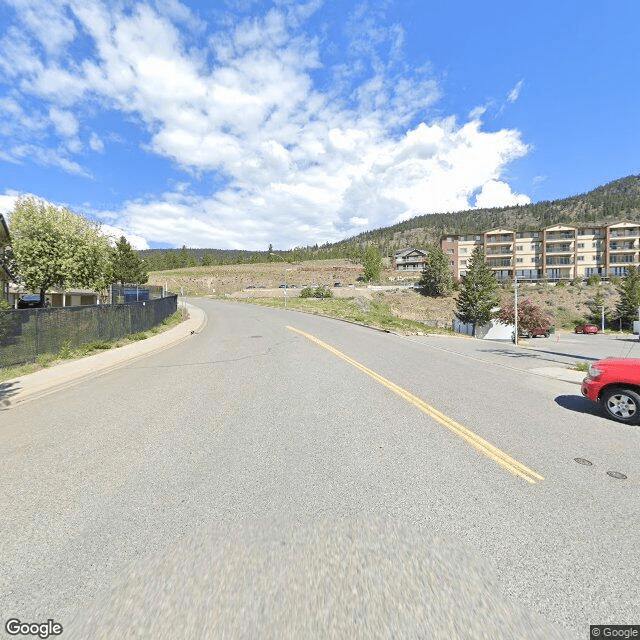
515, 309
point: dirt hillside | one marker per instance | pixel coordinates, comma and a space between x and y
568, 304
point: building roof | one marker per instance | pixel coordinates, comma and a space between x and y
405, 252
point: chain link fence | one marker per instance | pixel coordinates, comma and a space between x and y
123, 294
27, 333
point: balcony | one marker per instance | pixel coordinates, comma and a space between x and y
552, 262
560, 235
499, 264
565, 248
504, 251
622, 246
500, 239
623, 259
621, 233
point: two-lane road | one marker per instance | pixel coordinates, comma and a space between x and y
304, 477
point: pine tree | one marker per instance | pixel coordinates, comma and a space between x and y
437, 278
127, 267
479, 292
629, 290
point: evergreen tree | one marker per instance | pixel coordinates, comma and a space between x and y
629, 290
479, 292
437, 277
126, 265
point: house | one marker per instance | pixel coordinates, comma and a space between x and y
409, 259
57, 297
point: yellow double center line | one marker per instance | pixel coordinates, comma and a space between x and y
498, 456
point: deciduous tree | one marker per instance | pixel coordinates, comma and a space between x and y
530, 315
54, 247
372, 261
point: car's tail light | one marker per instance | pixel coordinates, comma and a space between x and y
593, 371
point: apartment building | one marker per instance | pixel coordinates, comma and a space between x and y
558, 252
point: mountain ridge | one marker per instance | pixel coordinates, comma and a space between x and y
612, 202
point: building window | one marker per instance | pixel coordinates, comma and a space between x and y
581, 258
518, 247
463, 250
580, 245
463, 263
518, 259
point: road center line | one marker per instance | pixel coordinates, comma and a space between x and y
493, 453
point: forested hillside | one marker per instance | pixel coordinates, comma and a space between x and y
618, 200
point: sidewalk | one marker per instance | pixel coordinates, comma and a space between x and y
45, 381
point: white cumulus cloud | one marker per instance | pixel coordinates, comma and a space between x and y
294, 162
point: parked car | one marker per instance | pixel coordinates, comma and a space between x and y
30, 301
614, 384
587, 328
532, 333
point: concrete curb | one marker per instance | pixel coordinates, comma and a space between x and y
50, 380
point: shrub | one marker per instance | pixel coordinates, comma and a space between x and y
316, 292
593, 281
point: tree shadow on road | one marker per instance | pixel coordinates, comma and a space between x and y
578, 404
538, 354
7, 391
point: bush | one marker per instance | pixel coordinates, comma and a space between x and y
561, 284
593, 281
316, 292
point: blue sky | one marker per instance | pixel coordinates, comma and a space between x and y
240, 123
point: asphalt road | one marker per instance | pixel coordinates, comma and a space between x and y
286, 475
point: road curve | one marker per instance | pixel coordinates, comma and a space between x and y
249, 482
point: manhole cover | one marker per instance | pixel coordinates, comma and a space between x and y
587, 463
617, 474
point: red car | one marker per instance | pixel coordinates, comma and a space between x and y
587, 328
614, 384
